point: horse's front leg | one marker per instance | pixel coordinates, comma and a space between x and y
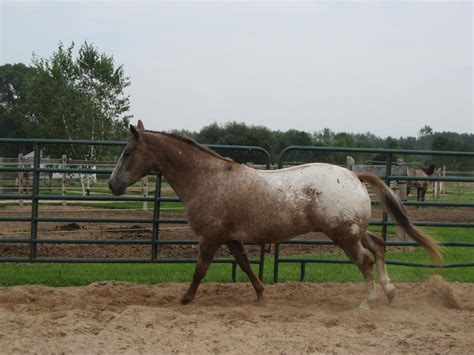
206, 254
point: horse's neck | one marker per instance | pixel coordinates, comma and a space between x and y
181, 164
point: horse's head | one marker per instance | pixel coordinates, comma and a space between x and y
135, 162
429, 170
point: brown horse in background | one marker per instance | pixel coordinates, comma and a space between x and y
420, 185
228, 203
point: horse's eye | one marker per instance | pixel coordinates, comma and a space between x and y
126, 154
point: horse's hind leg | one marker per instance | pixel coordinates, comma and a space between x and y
360, 256
236, 248
206, 254
376, 246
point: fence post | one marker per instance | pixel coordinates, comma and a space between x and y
402, 190
50, 181
20, 177
35, 201
63, 178
441, 185
83, 188
388, 172
350, 162
1, 176
145, 191
276, 262
402, 185
437, 185
156, 218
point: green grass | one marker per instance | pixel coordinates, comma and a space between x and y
345, 273
83, 274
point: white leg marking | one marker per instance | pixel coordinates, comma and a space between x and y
371, 296
387, 286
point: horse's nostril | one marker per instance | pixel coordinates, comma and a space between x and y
110, 185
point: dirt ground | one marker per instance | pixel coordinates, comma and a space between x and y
135, 231
431, 317
114, 317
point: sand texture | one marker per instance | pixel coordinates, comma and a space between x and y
115, 317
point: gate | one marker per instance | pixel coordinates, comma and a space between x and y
35, 197
384, 222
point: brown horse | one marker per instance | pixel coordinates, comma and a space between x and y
420, 185
227, 203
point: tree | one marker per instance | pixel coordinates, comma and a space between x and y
425, 137
425, 131
14, 80
238, 133
78, 97
452, 142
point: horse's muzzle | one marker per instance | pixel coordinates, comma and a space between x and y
117, 189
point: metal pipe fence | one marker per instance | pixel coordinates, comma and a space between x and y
384, 222
156, 221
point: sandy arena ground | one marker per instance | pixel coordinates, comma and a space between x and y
114, 317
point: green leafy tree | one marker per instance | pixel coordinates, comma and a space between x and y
425, 137
237, 133
14, 81
78, 97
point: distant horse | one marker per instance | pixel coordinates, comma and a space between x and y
420, 185
228, 203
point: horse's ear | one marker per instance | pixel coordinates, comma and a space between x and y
140, 125
134, 131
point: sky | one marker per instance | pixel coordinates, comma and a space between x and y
384, 67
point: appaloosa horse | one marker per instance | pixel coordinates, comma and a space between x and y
227, 203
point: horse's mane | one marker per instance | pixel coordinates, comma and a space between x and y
192, 142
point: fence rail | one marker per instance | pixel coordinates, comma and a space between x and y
156, 220
384, 222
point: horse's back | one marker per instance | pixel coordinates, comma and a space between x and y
328, 180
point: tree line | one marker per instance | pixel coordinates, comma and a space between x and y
235, 133
80, 94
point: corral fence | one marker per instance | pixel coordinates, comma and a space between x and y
384, 222
35, 197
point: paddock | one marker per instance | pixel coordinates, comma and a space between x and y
430, 316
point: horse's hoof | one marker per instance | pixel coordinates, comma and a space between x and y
364, 306
259, 297
391, 294
186, 300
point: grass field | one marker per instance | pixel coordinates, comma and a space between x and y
83, 274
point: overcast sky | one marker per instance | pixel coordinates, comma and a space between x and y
384, 67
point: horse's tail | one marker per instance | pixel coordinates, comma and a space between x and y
395, 208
